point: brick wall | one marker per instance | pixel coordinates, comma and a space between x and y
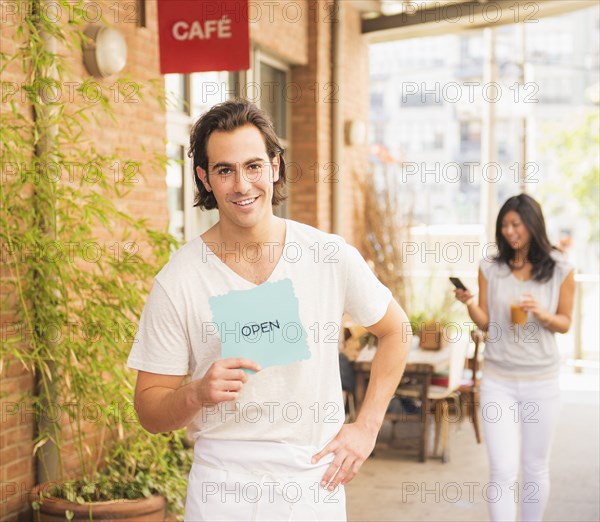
310, 200
281, 27
311, 126
355, 101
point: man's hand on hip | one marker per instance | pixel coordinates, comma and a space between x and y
352, 446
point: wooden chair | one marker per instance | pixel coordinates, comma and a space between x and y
348, 379
415, 385
469, 388
440, 398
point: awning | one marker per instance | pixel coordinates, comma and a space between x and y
429, 18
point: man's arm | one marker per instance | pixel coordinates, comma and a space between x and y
394, 340
160, 402
163, 404
355, 442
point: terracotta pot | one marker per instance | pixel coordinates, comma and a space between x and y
431, 336
151, 509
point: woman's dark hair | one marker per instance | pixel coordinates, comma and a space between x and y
540, 249
227, 117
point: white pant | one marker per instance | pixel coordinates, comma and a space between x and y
519, 418
247, 480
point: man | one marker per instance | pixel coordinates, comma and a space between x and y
252, 309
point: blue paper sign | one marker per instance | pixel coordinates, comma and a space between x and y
262, 324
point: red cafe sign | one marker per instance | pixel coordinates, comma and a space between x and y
203, 35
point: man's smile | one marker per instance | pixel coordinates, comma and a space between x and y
246, 202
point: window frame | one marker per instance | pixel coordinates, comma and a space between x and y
259, 57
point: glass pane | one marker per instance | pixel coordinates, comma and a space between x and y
272, 96
421, 132
208, 89
175, 190
563, 131
176, 92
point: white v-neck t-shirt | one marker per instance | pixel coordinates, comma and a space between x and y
200, 310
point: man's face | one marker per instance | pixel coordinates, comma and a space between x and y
240, 175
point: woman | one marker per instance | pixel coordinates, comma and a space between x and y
525, 296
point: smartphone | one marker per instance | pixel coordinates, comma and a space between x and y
457, 283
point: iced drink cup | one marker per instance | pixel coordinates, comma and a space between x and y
517, 314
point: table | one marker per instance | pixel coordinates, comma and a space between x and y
421, 364
437, 360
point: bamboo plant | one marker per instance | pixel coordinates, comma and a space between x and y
77, 267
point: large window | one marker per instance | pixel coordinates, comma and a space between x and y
440, 125
537, 134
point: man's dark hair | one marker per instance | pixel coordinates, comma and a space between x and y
227, 117
540, 248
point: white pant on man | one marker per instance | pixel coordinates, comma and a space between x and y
519, 418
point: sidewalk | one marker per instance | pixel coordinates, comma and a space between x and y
393, 486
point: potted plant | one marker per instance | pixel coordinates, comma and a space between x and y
140, 481
429, 331
429, 320
79, 267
